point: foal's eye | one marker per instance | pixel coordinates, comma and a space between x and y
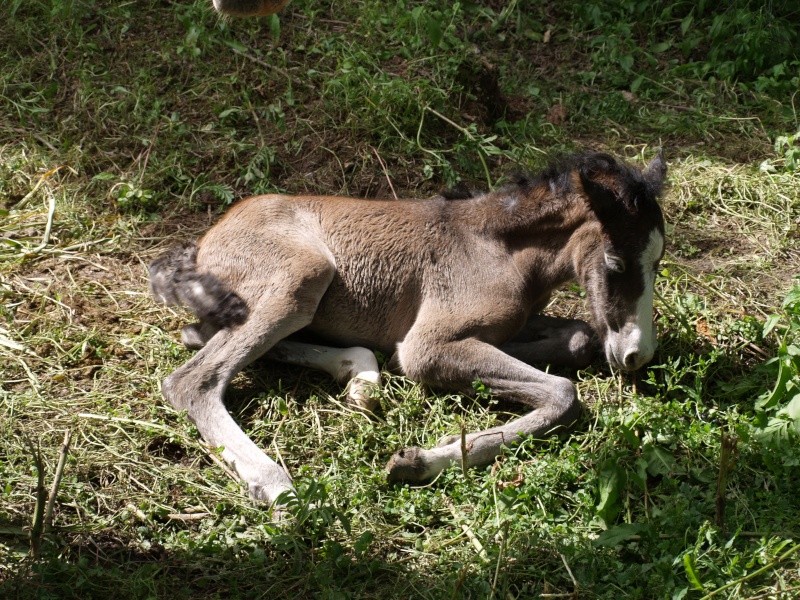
614, 263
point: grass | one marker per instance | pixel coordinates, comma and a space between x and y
127, 129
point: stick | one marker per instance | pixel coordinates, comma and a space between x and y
726, 458
38, 511
575, 585
463, 448
385, 172
186, 517
44, 177
51, 499
51, 211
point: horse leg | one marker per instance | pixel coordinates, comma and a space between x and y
455, 365
550, 340
357, 367
199, 385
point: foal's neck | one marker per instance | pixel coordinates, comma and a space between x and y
546, 232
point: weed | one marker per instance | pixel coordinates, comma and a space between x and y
777, 419
787, 147
127, 129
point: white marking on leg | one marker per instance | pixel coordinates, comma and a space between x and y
356, 365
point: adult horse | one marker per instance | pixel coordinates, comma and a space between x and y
249, 8
450, 289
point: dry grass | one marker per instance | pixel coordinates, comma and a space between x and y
141, 143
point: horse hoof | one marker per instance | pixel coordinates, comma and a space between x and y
275, 497
364, 395
406, 466
447, 440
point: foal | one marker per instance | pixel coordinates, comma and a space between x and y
450, 289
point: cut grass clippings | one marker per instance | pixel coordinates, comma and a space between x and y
126, 129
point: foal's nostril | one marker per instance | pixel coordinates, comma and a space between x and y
631, 360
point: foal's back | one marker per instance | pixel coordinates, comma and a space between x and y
387, 256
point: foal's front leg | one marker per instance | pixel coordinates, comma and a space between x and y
554, 341
455, 365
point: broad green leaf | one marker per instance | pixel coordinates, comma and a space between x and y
234, 45
363, 542
686, 23
610, 482
792, 410
434, 28
659, 461
680, 594
770, 323
274, 26
618, 534
771, 399
793, 297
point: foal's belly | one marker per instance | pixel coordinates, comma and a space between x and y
379, 320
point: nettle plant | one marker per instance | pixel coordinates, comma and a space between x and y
777, 421
787, 147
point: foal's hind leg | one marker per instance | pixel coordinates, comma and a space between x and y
357, 367
455, 365
554, 341
199, 385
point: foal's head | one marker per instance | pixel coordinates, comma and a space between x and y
619, 265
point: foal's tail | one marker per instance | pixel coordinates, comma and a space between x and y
174, 279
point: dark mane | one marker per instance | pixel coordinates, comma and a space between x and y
557, 175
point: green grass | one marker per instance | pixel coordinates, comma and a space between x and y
125, 129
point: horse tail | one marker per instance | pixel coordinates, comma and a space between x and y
175, 280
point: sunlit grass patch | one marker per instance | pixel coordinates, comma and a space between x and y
129, 128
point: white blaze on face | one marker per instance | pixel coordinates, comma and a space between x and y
635, 342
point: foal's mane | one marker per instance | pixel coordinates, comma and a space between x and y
557, 176
630, 185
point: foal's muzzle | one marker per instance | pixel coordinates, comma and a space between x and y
630, 348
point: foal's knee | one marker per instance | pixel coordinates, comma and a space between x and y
565, 404
196, 335
416, 361
582, 346
170, 389
432, 364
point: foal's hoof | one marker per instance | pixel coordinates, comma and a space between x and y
447, 440
407, 466
273, 494
274, 497
364, 395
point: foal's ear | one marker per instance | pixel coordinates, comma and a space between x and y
656, 173
601, 183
